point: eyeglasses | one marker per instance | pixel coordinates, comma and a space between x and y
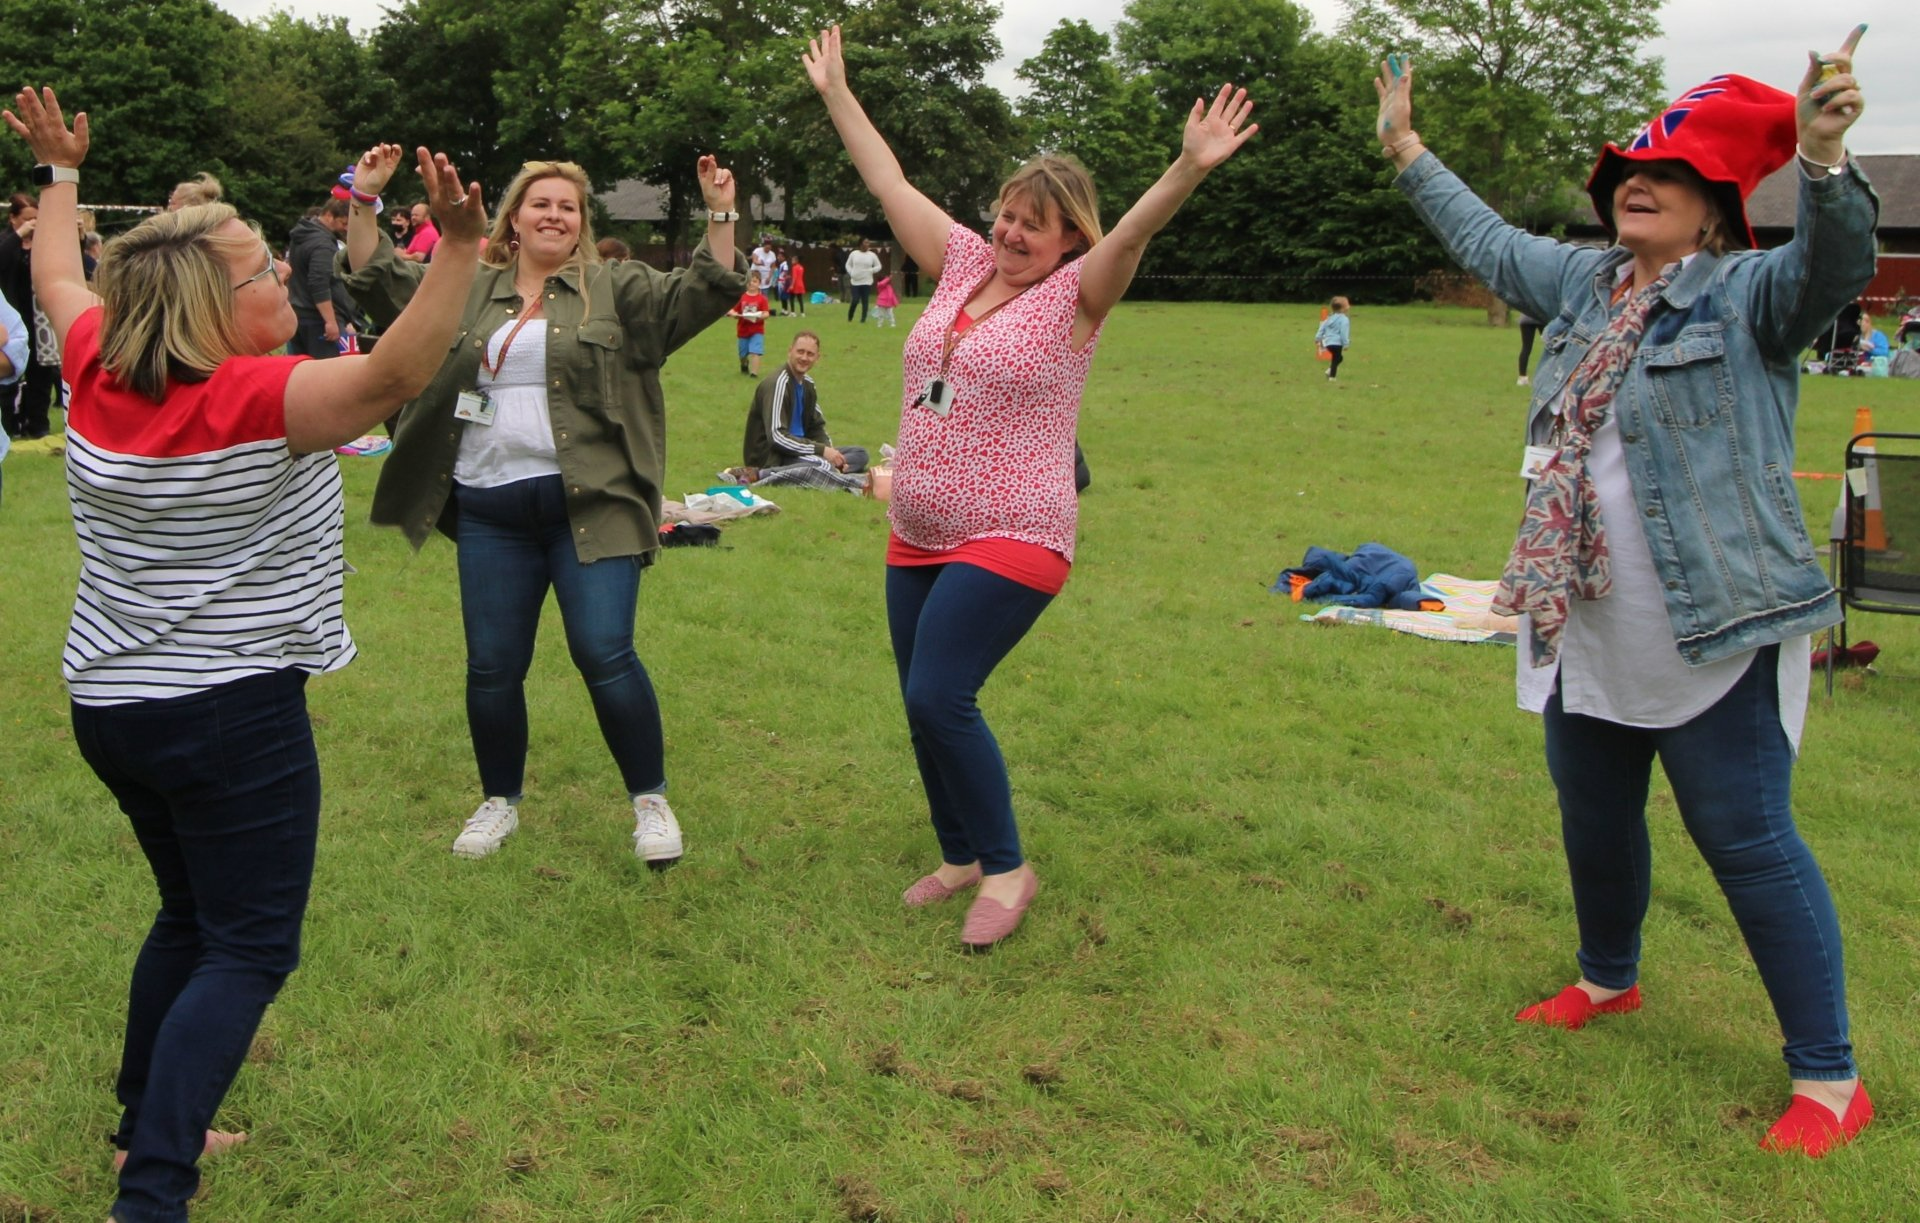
272, 269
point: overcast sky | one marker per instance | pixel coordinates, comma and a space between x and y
1764, 39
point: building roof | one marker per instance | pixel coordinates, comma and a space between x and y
632, 200
1895, 178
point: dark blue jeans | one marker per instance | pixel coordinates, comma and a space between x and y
1731, 769
858, 296
951, 626
223, 791
515, 542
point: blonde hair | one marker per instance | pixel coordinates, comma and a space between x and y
501, 242
1057, 187
166, 291
1340, 305
202, 188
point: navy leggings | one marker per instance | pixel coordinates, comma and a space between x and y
515, 543
1731, 769
223, 790
951, 626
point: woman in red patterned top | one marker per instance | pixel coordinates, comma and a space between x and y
983, 506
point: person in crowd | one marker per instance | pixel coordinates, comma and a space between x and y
910, 271
1334, 334
781, 297
402, 225
613, 250
797, 284
208, 507
762, 262
14, 334
540, 449
422, 237
202, 188
1529, 328
1661, 420
862, 266
884, 300
983, 507
750, 330
26, 403
319, 295
786, 440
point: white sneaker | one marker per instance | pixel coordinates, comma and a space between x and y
486, 828
656, 834
1523, 381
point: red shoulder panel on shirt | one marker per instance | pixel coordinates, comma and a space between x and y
244, 401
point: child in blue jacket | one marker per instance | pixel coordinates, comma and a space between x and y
1336, 331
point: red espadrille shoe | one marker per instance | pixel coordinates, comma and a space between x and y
1810, 1126
1571, 1008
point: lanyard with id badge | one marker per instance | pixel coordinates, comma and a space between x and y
476, 405
938, 397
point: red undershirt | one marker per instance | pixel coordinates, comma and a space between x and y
1031, 565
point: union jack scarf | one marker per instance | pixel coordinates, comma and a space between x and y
1561, 553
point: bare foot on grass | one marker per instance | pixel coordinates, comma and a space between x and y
219, 1142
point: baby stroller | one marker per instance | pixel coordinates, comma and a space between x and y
1839, 346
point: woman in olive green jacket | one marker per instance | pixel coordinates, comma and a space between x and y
540, 449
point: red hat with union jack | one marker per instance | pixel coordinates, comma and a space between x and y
1733, 131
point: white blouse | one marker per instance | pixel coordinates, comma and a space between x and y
1618, 660
518, 445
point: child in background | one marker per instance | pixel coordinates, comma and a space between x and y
797, 286
781, 293
1336, 331
883, 303
752, 312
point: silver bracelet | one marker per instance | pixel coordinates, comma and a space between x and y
1828, 168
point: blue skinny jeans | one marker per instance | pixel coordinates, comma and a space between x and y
222, 788
1731, 770
515, 541
951, 625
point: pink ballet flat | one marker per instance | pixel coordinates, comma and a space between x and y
989, 921
929, 890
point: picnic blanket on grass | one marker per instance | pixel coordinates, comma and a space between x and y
1469, 615
718, 504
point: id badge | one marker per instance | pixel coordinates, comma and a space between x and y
1535, 461
473, 406
939, 397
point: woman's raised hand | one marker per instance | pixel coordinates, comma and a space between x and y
825, 65
1394, 85
375, 167
45, 130
1828, 108
717, 184
457, 211
1214, 132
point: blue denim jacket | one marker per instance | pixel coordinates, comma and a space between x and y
1706, 412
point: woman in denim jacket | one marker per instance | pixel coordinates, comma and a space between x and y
1661, 509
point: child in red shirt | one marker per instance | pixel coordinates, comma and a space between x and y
751, 329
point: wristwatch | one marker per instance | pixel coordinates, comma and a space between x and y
722, 218
46, 175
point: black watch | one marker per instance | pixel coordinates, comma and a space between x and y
46, 176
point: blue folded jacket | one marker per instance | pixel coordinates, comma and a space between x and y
1373, 576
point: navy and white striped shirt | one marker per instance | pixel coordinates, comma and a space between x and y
208, 552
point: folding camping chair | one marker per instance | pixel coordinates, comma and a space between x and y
1876, 545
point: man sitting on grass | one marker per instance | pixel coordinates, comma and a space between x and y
787, 440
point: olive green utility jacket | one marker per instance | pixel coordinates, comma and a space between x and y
608, 333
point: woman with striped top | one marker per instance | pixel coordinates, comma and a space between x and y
983, 507
208, 509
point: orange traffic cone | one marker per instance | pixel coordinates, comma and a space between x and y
1319, 350
1873, 524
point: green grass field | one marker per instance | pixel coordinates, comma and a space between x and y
1296, 879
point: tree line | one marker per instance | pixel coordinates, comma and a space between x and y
1515, 94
